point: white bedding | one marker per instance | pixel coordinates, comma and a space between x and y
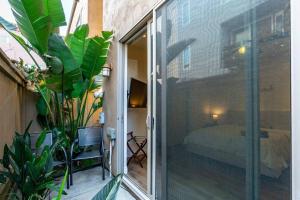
275, 150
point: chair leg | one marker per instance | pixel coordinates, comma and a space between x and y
103, 168
68, 179
71, 172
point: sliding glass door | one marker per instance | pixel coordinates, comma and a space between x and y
223, 100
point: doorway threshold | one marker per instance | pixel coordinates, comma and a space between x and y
135, 189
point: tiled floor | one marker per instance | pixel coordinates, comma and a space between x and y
87, 183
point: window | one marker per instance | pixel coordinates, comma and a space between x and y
186, 58
279, 22
241, 36
185, 12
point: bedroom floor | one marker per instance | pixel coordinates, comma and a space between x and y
138, 174
194, 177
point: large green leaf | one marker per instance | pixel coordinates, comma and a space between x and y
109, 192
77, 40
32, 21
72, 71
41, 139
62, 186
55, 10
58, 48
107, 35
95, 56
54, 81
44, 162
5, 160
79, 88
41, 104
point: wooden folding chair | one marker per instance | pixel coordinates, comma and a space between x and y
140, 142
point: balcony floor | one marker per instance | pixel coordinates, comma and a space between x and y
87, 183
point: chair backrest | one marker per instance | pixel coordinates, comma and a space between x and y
90, 136
34, 137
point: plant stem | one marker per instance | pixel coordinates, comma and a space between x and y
47, 104
89, 113
58, 109
82, 108
70, 115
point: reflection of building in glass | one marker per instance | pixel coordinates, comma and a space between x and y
227, 32
272, 36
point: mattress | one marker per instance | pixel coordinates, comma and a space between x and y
227, 144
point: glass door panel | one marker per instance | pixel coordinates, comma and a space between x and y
223, 99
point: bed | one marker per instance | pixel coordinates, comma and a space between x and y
226, 143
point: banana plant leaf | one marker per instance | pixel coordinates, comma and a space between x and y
77, 41
59, 49
55, 10
33, 22
41, 104
95, 55
79, 89
110, 190
58, 83
72, 72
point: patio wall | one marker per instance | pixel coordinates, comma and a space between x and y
17, 104
121, 17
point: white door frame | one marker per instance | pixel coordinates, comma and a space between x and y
295, 97
149, 120
122, 117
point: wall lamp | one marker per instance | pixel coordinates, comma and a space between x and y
106, 70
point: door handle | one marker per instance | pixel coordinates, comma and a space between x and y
148, 121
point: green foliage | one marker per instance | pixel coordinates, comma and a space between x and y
62, 186
72, 64
110, 190
54, 9
29, 171
42, 104
33, 22
77, 41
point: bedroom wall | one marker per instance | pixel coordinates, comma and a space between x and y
228, 101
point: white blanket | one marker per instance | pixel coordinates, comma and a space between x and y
275, 150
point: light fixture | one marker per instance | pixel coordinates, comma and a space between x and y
106, 70
99, 93
242, 50
215, 116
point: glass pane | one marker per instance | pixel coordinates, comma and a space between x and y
223, 99
274, 93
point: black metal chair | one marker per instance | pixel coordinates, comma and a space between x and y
87, 137
49, 142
